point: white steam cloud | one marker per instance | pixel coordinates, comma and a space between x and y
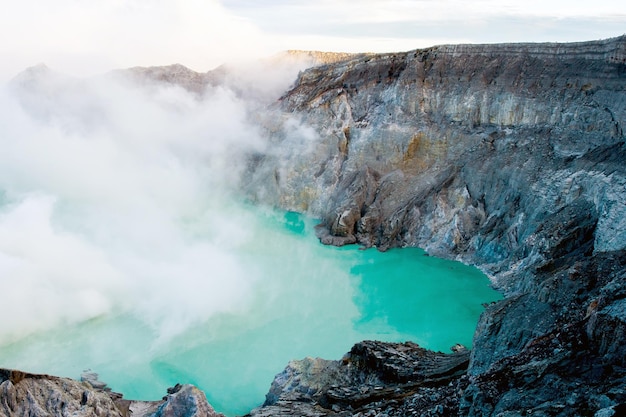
115, 198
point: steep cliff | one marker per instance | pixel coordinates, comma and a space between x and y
510, 157
484, 123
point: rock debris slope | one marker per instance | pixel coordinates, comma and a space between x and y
511, 157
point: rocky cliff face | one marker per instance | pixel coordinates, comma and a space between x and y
510, 157
391, 130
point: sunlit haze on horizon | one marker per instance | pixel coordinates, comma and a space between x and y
88, 38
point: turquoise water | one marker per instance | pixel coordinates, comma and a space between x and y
302, 299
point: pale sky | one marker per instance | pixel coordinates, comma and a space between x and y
88, 37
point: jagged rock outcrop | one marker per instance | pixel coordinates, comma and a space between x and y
374, 377
25, 394
510, 157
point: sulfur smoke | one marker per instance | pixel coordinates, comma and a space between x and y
117, 196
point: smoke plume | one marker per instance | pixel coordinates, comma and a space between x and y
116, 197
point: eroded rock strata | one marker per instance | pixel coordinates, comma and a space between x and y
510, 157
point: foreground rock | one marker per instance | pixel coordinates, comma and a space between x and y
373, 378
24, 394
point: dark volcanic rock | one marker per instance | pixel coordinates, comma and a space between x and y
374, 377
558, 349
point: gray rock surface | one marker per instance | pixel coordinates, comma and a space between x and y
374, 378
25, 394
456, 144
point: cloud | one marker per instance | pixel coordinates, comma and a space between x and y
86, 38
48, 277
395, 11
116, 198
396, 25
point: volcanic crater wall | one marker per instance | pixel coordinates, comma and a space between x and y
511, 157
461, 149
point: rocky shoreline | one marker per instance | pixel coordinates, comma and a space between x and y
509, 157
27, 394
374, 377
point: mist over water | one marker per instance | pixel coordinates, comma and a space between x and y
110, 191
124, 249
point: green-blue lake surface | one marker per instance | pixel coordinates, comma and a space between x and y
301, 299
